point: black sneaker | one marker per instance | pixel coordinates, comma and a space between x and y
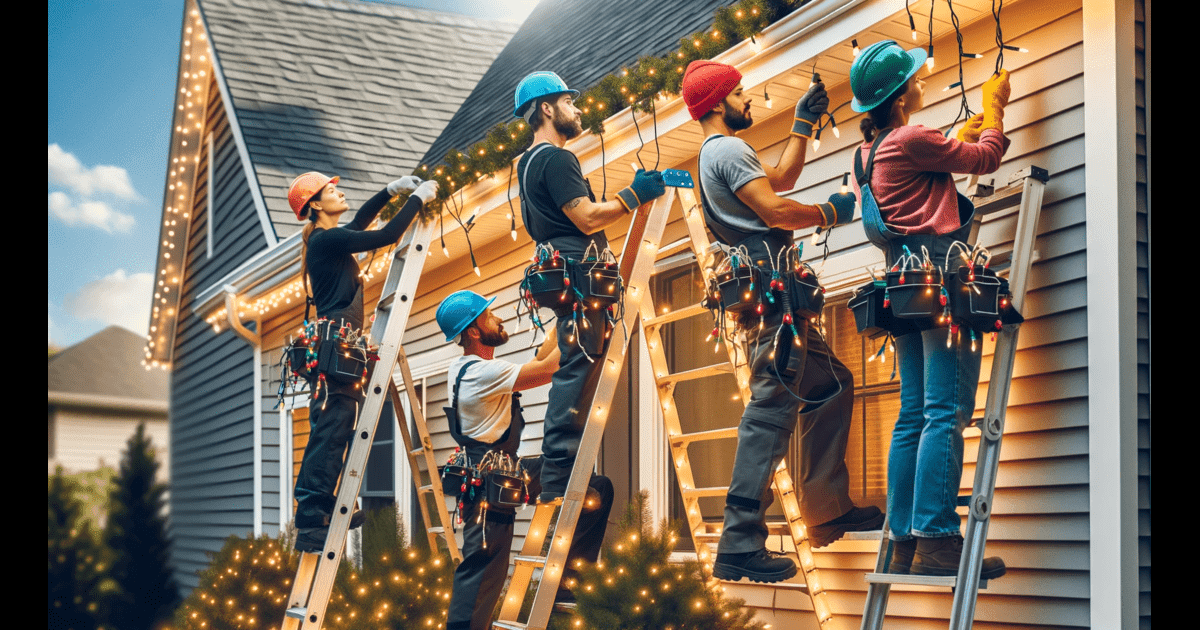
760, 566
902, 556
858, 519
941, 556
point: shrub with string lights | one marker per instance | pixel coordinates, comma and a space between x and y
636, 586
245, 586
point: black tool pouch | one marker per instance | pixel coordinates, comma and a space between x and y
341, 362
598, 283
548, 284
916, 295
807, 294
975, 297
504, 489
743, 290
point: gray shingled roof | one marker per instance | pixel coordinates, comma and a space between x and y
109, 363
581, 40
355, 89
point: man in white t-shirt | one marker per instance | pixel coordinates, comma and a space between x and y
485, 414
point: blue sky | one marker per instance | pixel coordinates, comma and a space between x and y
110, 85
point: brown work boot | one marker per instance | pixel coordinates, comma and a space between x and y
902, 556
940, 556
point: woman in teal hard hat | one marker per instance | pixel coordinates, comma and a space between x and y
909, 200
327, 258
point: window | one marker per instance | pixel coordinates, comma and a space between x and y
712, 403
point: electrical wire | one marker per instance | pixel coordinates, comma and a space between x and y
964, 110
996, 9
638, 153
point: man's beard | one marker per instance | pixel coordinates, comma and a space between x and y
568, 127
492, 340
737, 120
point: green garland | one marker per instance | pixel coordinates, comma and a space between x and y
635, 87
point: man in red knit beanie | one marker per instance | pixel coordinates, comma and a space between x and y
790, 382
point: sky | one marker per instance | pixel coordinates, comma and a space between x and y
111, 67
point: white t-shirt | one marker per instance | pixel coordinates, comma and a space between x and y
485, 396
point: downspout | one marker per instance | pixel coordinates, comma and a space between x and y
255, 341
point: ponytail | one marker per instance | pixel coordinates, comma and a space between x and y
308, 230
879, 117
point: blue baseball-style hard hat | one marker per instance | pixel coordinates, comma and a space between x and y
458, 310
537, 85
879, 70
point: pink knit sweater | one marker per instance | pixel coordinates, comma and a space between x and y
912, 182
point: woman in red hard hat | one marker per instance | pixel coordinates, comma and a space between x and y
328, 260
909, 200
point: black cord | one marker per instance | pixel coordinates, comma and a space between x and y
999, 35
964, 110
654, 117
512, 213
603, 172
638, 153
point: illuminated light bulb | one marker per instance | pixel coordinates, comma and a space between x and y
836, 133
854, 43
767, 99
816, 144
929, 63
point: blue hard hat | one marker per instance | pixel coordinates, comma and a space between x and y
537, 85
459, 310
880, 70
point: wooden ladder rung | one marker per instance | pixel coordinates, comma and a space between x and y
691, 375
674, 316
701, 436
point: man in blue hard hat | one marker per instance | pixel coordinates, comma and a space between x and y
560, 210
485, 415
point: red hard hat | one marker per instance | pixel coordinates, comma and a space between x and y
305, 187
707, 83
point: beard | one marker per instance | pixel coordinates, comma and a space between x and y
568, 127
737, 120
493, 339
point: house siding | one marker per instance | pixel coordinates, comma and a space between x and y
212, 390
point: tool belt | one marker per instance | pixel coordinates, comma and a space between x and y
336, 353
749, 286
917, 294
496, 479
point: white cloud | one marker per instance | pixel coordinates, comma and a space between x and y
64, 169
93, 213
118, 298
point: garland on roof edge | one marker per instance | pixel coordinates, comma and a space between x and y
634, 87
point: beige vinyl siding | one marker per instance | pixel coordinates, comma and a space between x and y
87, 439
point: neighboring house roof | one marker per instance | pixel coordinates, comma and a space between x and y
582, 41
106, 370
348, 88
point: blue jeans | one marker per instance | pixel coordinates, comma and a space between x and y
937, 398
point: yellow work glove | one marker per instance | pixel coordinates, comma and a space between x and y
996, 91
971, 130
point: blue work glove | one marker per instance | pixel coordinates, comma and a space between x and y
809, 109
646, 185
839, 210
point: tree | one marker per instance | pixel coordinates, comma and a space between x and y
136, 533
74, 560
636, 586
245, 586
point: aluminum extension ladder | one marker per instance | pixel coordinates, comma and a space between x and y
706, 534
1025, 189
315, 576
636, 266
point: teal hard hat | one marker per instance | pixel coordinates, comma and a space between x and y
458, 310
879, 70
537, 85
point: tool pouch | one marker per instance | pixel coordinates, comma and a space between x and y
916, 295
599, 283
341, 361
742, 290
1008, 314
504, 489
299, 358
808, 296
975, 297
548, 284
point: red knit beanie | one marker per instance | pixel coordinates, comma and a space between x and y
706, 83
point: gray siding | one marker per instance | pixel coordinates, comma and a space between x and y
212, 388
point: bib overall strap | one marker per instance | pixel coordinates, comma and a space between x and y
863, 175
524, 175
458, 381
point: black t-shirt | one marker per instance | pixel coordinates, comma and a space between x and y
548, 182
332, 267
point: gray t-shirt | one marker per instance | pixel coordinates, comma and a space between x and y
726, 164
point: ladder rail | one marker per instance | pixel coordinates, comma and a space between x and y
1029, 198
636, 265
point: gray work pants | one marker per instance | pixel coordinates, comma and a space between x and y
810, 372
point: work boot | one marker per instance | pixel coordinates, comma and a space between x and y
940, 556
902, 556
858, 519
760, 566
312, 539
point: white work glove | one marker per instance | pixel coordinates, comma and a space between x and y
404, 184
426, 191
